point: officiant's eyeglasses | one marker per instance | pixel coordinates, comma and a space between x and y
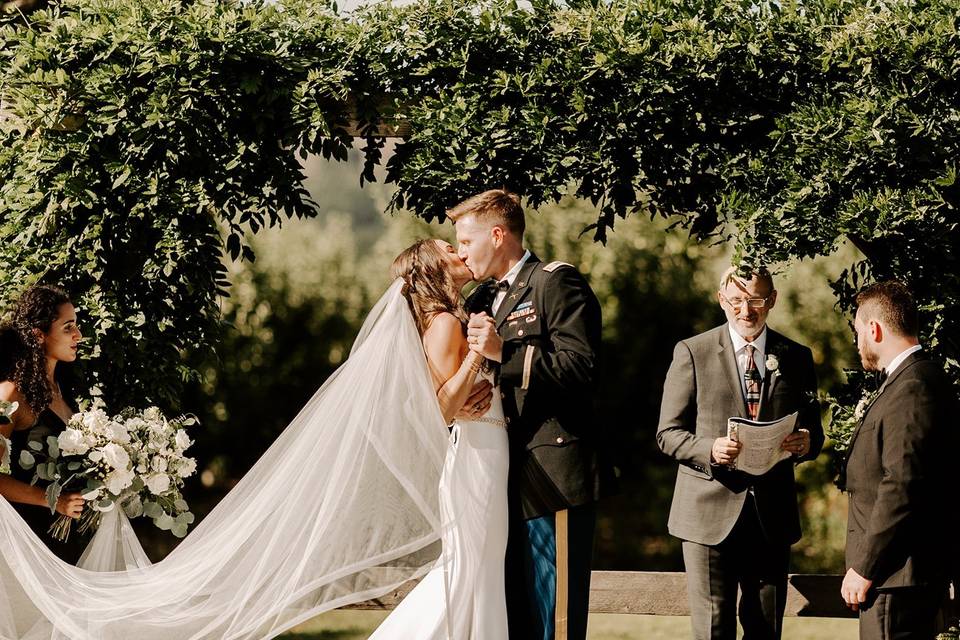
752, 303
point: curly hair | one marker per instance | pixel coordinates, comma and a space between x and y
427, 284
22, 356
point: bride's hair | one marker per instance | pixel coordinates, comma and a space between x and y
22, 357
427, 284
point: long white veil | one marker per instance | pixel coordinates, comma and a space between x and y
341, 508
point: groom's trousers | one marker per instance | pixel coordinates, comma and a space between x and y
548, 575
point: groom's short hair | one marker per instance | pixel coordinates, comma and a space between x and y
493, 207
893, 305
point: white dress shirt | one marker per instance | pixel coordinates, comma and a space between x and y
510, 277
896, 362
759, 354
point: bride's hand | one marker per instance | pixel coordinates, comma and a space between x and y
70, 505
478, 402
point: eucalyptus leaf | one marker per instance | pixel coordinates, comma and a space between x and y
26, 460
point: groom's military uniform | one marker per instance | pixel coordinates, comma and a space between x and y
736, 528
549, 320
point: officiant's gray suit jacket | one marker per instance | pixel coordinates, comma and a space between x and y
702, 390
901, 478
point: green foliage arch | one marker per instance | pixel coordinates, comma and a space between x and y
141, 140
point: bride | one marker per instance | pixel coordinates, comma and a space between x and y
365, 489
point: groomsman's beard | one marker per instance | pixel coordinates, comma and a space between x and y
870, 360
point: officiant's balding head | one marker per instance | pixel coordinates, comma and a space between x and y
746, 300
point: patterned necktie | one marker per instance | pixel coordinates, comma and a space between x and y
751, 379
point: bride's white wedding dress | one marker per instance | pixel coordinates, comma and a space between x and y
344, 506
462, 598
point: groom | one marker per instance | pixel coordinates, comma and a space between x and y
541, 324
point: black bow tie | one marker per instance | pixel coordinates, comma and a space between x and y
881, 378
503, 285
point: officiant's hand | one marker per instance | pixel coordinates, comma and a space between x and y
478, 402
725, 451
482, 337
854, 589
797, 443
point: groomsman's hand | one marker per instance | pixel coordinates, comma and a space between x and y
797, 443
725, 451
482, 337
478, 402
854, 589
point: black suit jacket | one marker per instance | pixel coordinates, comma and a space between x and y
902, 480
550, 324
702, 390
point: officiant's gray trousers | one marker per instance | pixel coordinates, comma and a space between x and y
745, 559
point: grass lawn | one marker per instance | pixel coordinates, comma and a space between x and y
357, 625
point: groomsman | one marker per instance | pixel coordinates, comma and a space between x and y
901, 476
541, 324
737, 528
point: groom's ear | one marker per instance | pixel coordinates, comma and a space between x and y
497, 233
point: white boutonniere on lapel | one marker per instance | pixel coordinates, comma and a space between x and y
865, 402
772, 364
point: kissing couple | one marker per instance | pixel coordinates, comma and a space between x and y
457, 443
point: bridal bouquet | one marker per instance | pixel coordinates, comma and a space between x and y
134, 461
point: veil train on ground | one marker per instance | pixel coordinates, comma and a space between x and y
341, 508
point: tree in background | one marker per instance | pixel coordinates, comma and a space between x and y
141, 140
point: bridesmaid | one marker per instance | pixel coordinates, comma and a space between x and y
41, 333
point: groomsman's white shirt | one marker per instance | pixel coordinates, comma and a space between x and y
896, 362
759, 354
510, 277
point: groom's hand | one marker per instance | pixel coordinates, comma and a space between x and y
482, 337
854, 589
478, 402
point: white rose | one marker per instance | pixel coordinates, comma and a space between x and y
152, 414
72, 442
186, 467
95, 420
95, 456
117, 433
158, 483
115, 456
183, 440
159, 464
118, 480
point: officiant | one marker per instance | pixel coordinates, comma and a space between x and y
736, 529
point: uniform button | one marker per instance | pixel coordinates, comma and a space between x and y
503, 396
520, 333
507, 419
559, 440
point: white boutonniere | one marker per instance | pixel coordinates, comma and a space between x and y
863, 404
772, 364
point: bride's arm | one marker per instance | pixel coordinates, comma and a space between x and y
14, 490
453, 366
